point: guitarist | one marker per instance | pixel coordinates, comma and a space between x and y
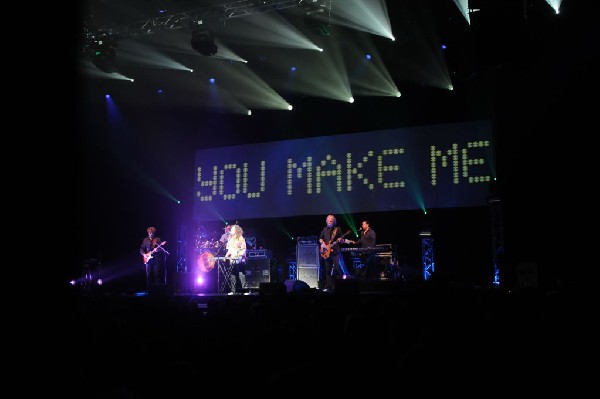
153, 256
330, 237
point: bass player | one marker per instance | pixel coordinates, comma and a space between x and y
330, 238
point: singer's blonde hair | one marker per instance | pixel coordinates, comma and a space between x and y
237, 230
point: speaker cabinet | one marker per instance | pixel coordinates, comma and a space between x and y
307, 255
309, 274
256, 271
527, 276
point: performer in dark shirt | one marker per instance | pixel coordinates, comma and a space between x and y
367, 239
154, 258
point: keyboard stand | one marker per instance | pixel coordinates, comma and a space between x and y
224, 276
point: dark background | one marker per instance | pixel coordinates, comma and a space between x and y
518, 65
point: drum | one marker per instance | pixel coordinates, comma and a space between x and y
205, 261
203, 243
209, 244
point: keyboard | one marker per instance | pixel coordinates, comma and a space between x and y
365, 249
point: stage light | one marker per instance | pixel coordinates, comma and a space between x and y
104, 54
203, 42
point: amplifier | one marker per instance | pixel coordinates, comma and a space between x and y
310, 275
307, 255
256, 271
260, 253
310, 240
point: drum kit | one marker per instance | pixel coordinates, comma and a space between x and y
207, 249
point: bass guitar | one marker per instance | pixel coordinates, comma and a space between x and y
148, 255
326, 251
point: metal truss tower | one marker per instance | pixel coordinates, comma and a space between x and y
292, 270
495, 205
427, 254
182, 248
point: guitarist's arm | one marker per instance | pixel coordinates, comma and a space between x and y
143, 248
144, 252
322, 241
322, 238
339, 237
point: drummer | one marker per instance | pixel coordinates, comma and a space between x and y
225, 236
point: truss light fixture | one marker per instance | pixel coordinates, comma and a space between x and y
104, 54
202, 41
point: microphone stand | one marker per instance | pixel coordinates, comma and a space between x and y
165, 263
162, 249
147, 278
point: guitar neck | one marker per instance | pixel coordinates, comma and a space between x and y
333, 238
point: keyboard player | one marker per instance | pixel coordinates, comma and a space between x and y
367, 239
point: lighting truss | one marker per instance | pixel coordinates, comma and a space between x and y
235, 9
427, 255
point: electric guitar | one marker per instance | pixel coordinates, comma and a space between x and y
325, 252
148, 255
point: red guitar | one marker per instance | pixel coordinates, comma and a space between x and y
325, 252
148, 255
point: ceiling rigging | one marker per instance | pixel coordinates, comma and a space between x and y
191, 18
